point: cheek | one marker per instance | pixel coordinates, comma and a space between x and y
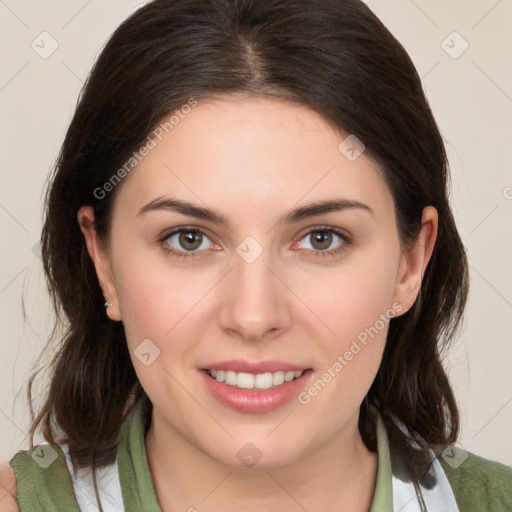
356, 304
158, 314
352, 297
141, 302
153, 294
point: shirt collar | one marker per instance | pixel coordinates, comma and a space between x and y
383, 496
417, 484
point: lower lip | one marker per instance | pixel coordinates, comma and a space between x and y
251, 400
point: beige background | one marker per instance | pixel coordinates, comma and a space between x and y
471, 97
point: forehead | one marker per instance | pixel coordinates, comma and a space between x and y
248, 152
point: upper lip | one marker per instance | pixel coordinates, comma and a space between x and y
255, 367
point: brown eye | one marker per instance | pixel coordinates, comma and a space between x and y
190, 240
321, 240
186, 242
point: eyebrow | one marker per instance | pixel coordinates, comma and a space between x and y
303, 212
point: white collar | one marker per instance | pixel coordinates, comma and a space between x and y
417, 488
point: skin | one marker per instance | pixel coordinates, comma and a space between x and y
254, 160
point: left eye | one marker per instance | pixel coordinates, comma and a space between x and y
322, 239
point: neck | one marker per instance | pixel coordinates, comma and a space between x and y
342, 471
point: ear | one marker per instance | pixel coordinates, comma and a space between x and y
414, 260
100, 259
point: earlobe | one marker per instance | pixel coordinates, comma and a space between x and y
415, 259
101, 261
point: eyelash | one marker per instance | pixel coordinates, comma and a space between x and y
346, 241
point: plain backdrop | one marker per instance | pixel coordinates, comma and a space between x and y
463, 52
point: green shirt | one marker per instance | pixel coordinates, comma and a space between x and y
479, 485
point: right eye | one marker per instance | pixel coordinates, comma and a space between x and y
185, 242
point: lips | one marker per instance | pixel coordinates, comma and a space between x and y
249, 386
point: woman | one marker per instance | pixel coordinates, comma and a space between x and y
256, 191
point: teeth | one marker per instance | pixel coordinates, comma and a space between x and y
263, 381
243, 380
277, 378
249, 381
230, 378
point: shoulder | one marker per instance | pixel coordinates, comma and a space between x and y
8, 501
41, 477
479, 484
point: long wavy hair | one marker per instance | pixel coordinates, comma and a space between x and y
333, 56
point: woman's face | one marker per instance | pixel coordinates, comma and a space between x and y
278, 286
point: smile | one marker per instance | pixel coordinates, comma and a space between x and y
244, 380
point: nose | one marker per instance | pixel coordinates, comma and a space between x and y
254, 299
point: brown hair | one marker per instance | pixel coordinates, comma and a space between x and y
333, 56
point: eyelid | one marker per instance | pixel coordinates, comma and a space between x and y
166, 233
324, 227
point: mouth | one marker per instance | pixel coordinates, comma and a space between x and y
259, 392
256, 382
255, 386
